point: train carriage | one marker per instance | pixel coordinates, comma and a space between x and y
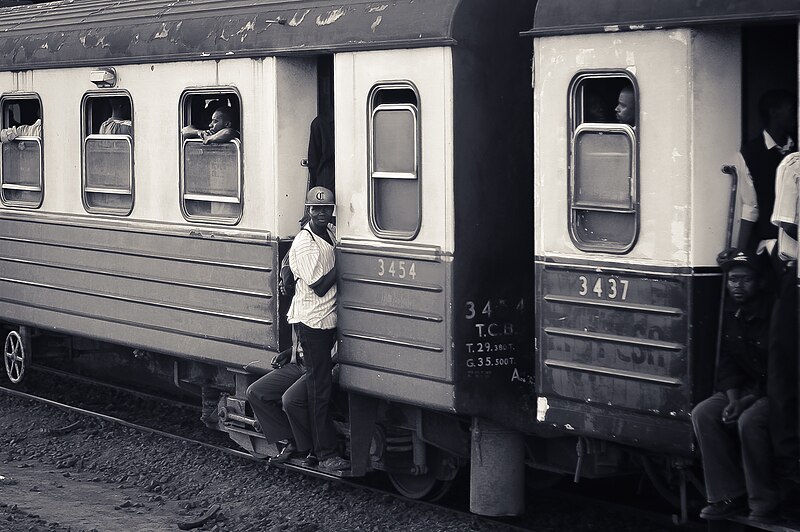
504, 303
167, 247
631, 211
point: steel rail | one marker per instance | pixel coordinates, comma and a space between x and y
249, 457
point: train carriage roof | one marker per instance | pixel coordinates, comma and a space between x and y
112, 32
561, 17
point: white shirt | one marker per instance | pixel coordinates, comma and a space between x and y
310, 258
787, 191
746, 199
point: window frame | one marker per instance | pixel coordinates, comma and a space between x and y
39, 140
213, 219
86, 137
372, 110
575, 127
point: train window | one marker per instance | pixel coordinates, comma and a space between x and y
211, 156
603, 177
21, 177
394, 155
108, 153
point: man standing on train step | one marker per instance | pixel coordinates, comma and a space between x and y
302, 388
756, 165
313, 316
783, 358
732, 426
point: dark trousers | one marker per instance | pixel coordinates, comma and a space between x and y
737, 459
316, 426
269, 397
782, 375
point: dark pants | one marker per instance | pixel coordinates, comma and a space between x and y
316, 427
735, 466
292, 401
782, 375
269, 397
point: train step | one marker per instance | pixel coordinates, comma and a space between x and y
295, 464
780, 526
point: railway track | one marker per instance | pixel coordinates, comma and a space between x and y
240, 454
657, 518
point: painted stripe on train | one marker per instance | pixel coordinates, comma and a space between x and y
151, 302
645, 269
613, 338
205, 349
408, 389
400, 313
422, 287
402, 342
633, 375
155, 280
655, 309
112, 320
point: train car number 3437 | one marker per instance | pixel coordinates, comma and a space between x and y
602, 287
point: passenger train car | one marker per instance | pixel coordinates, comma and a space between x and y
504, 303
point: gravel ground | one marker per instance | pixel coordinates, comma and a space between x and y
99, 476
155, 483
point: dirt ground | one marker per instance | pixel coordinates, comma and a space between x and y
63, 472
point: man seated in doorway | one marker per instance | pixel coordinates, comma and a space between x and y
219, 130
11, 133
732, 426
119, 122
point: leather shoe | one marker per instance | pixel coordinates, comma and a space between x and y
310, 460
717, 511
335, 463
286, 454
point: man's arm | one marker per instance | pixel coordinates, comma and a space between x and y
191, 132
748, 202
223, 135
324, 283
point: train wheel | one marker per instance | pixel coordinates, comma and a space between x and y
425, 486
15, 357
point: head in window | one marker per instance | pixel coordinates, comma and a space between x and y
778, 112
221, 119
626, 107
120, 108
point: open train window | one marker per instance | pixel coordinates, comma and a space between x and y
394, 161
21, 176
603, 174
108, 153
211, 156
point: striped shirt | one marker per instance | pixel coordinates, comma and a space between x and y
786, 196
310, 258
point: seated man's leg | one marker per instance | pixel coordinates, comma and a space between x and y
264, 397
295, 404
763, 495
719, 449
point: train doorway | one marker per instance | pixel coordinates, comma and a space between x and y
769, 62
321, 145
769, 99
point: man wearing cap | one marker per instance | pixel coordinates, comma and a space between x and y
732, 426
303, 389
